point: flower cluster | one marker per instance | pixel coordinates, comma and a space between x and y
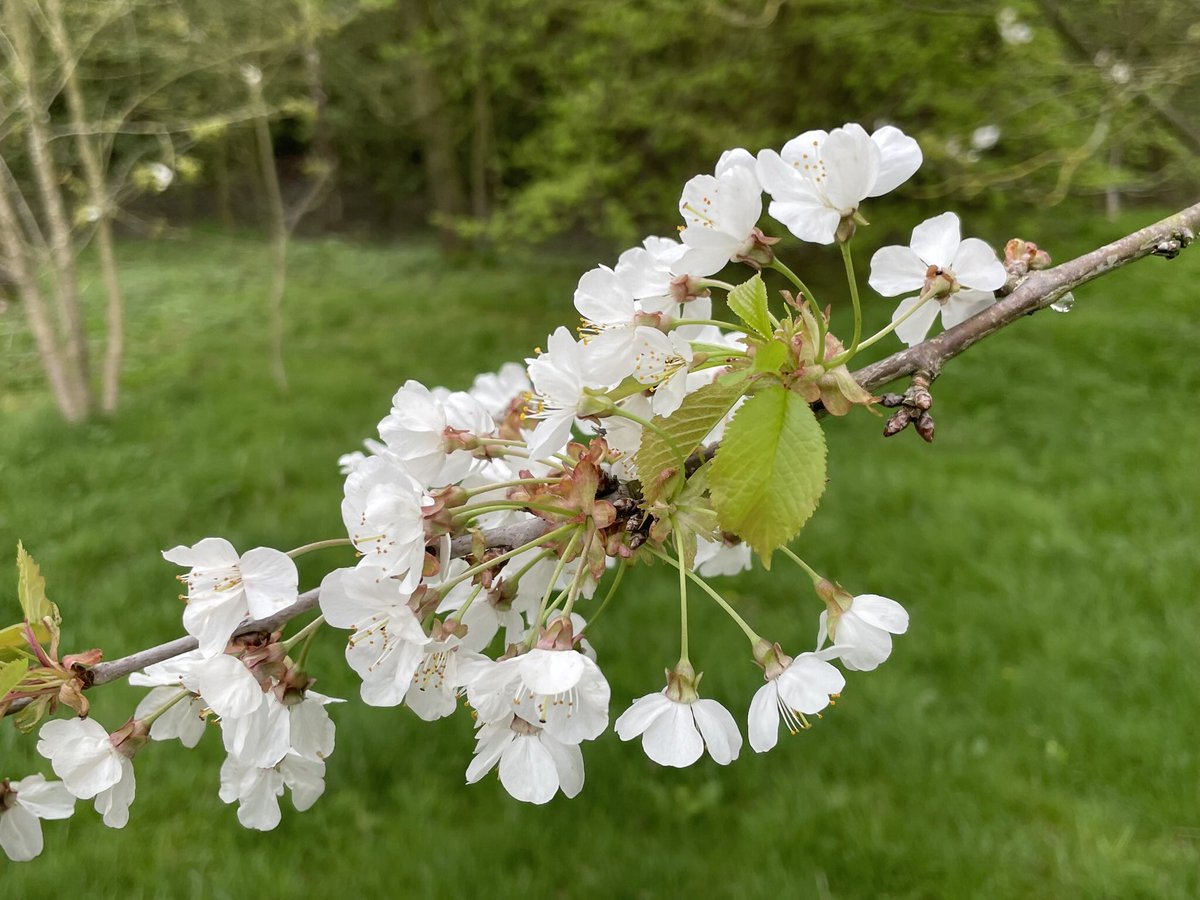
493, 526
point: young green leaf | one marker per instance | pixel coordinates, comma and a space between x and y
687, 427
770, 357
11, 674
31, 589
749, 301
770, 471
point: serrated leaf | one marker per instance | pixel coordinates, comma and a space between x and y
770, 357
770, 471
11, 674
687, 427
31, 589
749, 301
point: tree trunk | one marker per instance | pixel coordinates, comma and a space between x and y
277, 223
94, 177
24, 276
59, 224
436, 132
323, 151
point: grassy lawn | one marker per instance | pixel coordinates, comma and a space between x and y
1034, 734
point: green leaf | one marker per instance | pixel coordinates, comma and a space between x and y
12, 641
749, 301
11, 674
770, 471
31, 589
687, 427
770, 357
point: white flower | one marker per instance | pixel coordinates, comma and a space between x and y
388, 643
562, 691
84, 757
222, 684
534, 765
719, 558
497, 392
803, 688
274, 730
161, 176
645, 272
560, 377
624, 436
383, 514
675, 733
22, 805
862, 634
257, 790
1012, 29
416, 429
962, 276
820, 178
721, 212
225, 589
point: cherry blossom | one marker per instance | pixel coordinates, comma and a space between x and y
803, 686
676, 732
862, 631
561, 377
90, 765
388, 643
962, 276
225, 589
563, 691
534, 765
384, 517
417, 430
23, 804
722, 212
820, 178
257, 789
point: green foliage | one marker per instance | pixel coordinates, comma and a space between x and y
770, 471
686, 428
749, 302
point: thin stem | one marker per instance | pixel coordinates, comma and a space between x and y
712, 282
319, 545
704, 586
645, 423
149, 720
853, 282
475, 570
880, 335
306, 632
728, 326
462, 610
471, 512
814, 575
516, 482
612, 590
577, 581
562, 561
683, 606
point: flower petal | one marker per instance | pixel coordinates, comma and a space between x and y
897, 270
763, 721
719, 730
641, 715
527, 770
881, 612
976, 266
936, 240
673, 739
20, 834
913, 329
963, 305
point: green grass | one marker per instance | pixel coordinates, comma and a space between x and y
1033, 735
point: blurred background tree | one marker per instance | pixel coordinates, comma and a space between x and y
498, 123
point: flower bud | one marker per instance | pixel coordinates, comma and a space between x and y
771, 657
